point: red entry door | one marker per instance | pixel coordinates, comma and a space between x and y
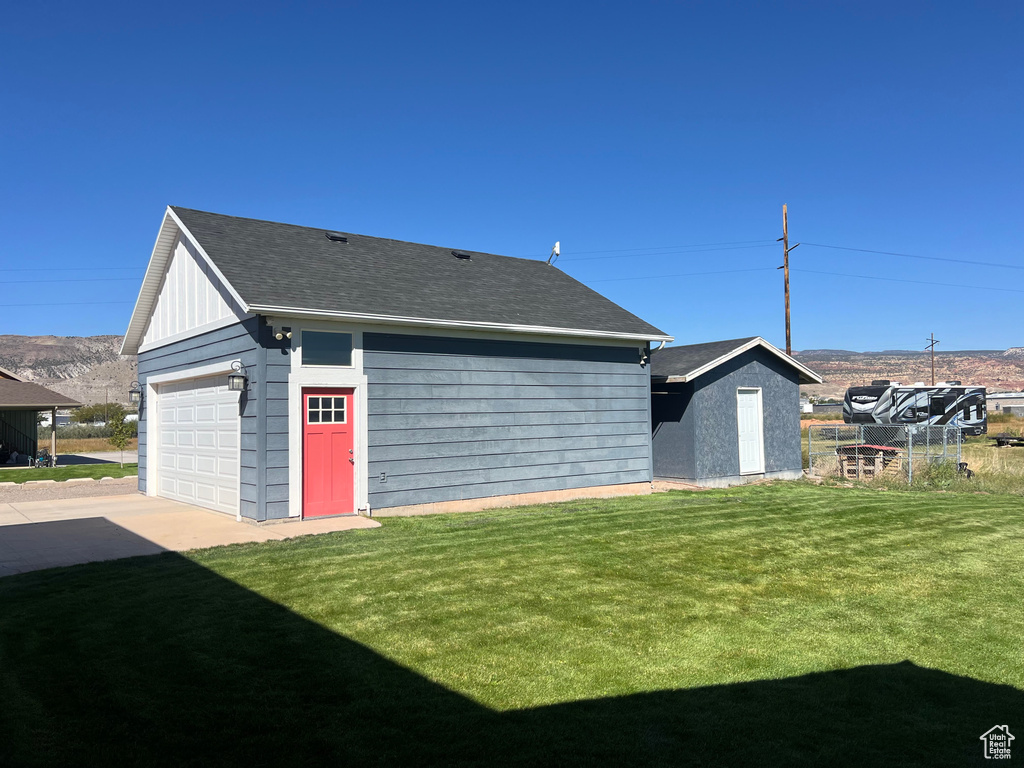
328, 458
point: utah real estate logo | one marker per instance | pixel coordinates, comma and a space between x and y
997, 742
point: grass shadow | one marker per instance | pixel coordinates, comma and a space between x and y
159, 661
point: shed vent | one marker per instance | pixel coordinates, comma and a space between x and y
463, 256
336, 237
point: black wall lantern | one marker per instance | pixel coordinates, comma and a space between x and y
135, 393
237, 381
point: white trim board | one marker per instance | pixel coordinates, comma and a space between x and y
755, 342
211, 369
424, 322
224, 322
385, 326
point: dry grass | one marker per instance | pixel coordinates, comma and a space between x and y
984, 458
996, 470
86, 445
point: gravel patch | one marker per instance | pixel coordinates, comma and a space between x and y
24, 492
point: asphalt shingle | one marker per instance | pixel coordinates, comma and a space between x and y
288, 266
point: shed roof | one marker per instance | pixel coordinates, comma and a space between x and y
27, 396
284, 269
682, 364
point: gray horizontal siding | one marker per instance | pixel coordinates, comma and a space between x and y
232, 342
569, 389
275, 456
483, 490
407, 452
490, 405
473, 434
453, 419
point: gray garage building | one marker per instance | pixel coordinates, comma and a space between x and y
290, 372
727, 412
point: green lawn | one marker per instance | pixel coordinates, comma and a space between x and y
15, 475
786, 624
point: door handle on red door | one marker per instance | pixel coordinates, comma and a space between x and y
352, 461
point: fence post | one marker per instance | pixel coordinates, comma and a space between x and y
910, 454
810, 449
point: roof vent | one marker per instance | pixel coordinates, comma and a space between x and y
463, 256
336, 237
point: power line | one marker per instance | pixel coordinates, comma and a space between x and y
915, 282
673, 248
51, 268
915, 256
809, 271
67, 304
669, 253
684, 274
76, 280
628, 253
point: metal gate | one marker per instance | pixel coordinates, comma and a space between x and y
872, 451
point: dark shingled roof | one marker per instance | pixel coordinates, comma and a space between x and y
287, 266
679, 361
24, 395
685, 361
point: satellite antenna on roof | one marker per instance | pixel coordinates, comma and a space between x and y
554, 253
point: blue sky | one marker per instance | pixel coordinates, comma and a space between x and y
622, 130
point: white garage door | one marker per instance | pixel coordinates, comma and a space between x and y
198, 436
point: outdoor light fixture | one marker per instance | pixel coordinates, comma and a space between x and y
135, 393
283, 333
237, 381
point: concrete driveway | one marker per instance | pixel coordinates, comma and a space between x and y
100, 457
47, 534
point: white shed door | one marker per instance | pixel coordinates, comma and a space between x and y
198, 439
751, 431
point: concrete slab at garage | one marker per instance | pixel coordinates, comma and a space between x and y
49, 534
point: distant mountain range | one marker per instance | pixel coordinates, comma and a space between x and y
89, 368
86, 368
997, 369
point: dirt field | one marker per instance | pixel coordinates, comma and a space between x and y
805, 423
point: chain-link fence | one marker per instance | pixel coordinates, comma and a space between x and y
870, 451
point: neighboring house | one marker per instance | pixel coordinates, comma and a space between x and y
1005, 401
20, 403
727, 412
63, 420
379, 375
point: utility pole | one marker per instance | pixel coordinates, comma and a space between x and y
933, 341
785, 266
